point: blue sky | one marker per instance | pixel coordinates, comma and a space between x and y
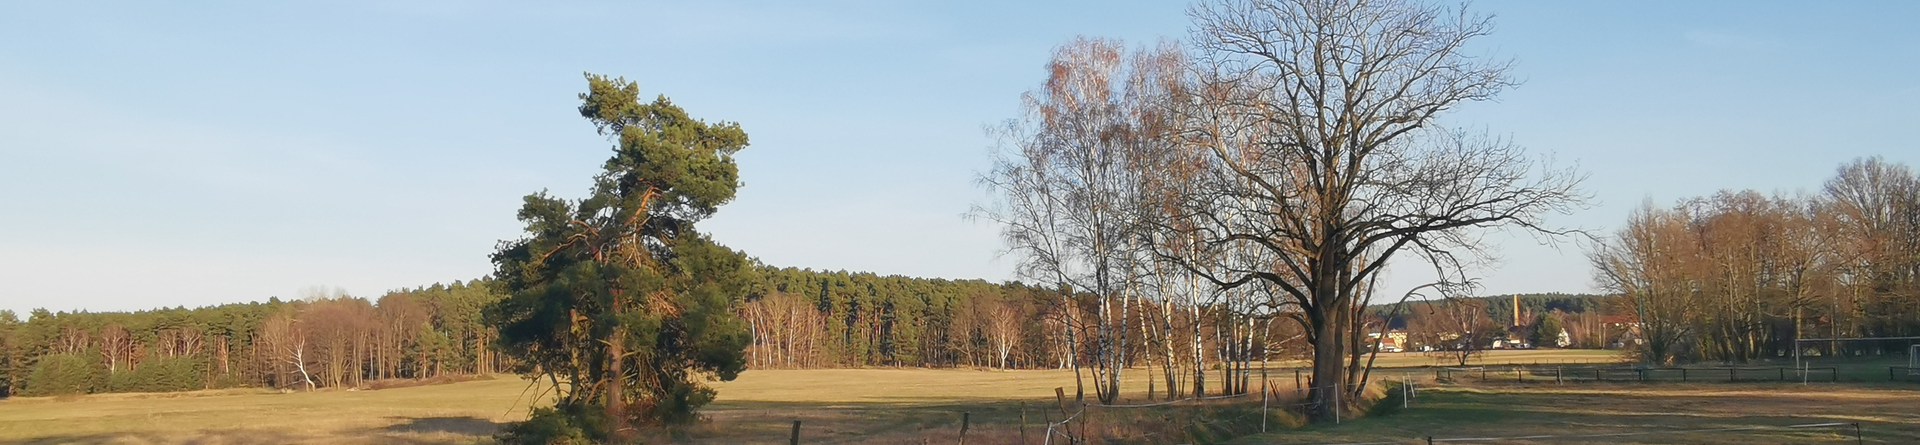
196, 154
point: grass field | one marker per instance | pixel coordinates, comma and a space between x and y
452, 413
919, 405
1652, 412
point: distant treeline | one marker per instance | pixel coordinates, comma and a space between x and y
799, 318
818, 319
324, 340
802, 318
1588, 320
1500, 307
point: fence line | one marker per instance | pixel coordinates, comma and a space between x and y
1147, 405
1644, 433
1857, 434
1062, 425
1170, 402
1596, 374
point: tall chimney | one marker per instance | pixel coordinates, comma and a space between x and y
1516, 310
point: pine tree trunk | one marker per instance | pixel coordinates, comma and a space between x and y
616, 380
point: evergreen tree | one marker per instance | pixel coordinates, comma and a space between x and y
1546, 332
615, 299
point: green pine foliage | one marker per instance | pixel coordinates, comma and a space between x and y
59, 374
617, 294
874, 320
161, 375
560, 425
1499, 308
1546, 331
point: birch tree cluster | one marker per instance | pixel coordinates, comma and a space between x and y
802, 318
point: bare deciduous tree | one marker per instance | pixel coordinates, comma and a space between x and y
1740, 276
1460, 329
1645, 264
115, 346
1006, 321
1318, 122
285, 340
1070, 179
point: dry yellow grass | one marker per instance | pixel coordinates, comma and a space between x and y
916, 405
453, 413
1652, 413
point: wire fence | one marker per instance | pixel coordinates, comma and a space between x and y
1407, 385
1062, 428
1858, 434
1176, 401
1903, 373
1561, 374
1272, 397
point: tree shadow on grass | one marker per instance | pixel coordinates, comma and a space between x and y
220, 437
1655, 413
472, 426
989, 421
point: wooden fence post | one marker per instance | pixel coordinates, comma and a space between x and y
1060, 395
1263, 399
795, 439
965, 418
1084, 422
1023, 423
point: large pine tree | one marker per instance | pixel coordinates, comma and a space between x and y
615, 299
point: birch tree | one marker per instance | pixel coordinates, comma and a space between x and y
1069, 180
286, 340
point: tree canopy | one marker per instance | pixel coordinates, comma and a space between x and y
615, 298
